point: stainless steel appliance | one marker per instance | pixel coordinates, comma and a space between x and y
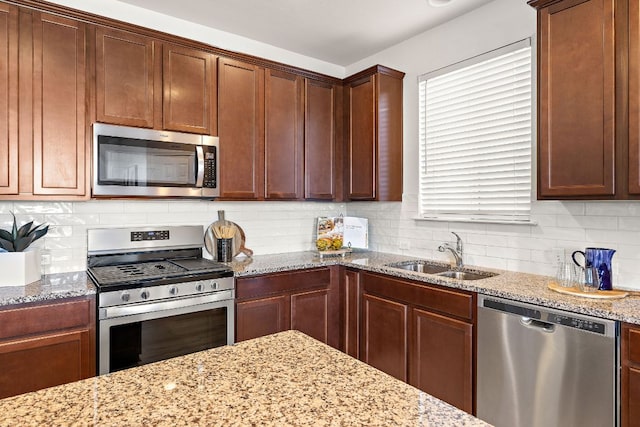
544, 367
157, 297
130, 161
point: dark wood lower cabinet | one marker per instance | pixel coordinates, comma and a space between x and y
630, 384
305, 300
46, 345
384, 336
420, 333
441, 357
261, 317
351, 290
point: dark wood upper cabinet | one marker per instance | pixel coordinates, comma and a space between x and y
284, 125
189, 101
8, 99
576, 110
127, 68
633, 179
241, 129
60, 146
374, 157
320, 140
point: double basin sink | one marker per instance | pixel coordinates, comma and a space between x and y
420, 266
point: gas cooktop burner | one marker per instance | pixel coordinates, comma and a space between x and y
155, 270
126, 258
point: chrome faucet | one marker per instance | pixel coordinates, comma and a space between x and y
457, 252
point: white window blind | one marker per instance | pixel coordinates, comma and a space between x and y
475, 137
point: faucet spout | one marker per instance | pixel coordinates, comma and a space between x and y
456, 255
457, 251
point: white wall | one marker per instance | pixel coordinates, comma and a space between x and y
270, 227
560, 225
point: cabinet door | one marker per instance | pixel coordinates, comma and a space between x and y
631, 397
362, 139
576, 136
60, 146
8, 99
241, 129
189, 90
441, 358
384, 335
352, 313
310, 314
44, 361
261, 317
634, 98
284, 136
125, 77
319, 141
630, 378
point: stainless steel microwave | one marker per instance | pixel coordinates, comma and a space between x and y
129, 161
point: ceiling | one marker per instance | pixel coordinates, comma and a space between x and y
340, 32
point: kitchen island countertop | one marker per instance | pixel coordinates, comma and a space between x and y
282, 379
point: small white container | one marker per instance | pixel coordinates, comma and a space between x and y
20, 268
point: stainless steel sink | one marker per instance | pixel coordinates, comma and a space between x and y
466, 275
440, 270
420, 267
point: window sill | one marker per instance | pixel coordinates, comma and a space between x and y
477, 220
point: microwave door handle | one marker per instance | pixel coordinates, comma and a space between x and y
200, 174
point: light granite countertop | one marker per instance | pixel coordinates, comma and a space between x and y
50, 287
283, 379
529, 288
523, 287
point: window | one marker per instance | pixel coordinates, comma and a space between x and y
475, 138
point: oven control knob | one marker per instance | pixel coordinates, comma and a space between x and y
173, 290
125, 296
199, 287
144, 294
214, 286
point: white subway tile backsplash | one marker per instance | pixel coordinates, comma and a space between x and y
277, 227
560, 225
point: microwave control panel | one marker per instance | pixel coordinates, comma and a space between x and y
210, 168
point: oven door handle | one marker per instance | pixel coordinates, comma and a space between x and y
152, 307
200, 175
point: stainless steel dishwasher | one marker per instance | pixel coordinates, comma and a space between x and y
540, 367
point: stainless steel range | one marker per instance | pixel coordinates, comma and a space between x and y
157, 296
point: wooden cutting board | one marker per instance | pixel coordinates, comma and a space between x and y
575, 291
210, 240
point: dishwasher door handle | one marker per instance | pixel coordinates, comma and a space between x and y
538, 324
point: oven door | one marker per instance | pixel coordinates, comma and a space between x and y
138, 334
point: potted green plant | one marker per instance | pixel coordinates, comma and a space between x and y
20, 265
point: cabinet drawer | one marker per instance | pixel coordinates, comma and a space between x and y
260, 286
633, 354
44, 318
447, 301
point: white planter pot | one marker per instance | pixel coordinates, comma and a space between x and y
19, 268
